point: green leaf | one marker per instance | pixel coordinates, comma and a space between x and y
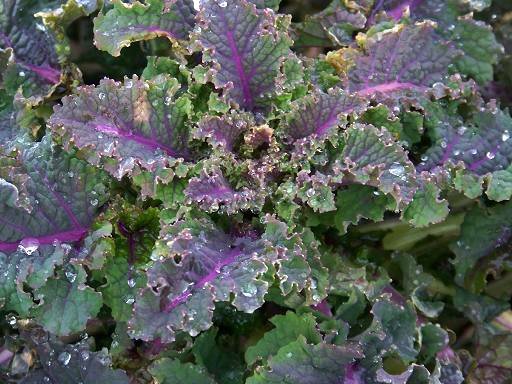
66, 303
393, 329
13, 297
127, 23
499, 187
221, 361
287, 328
303, 363
121, 288
433, 340
168, 371
357, 202
478, 308
426, 208
483, 230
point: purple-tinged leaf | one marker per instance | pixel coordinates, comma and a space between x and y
481, 145
36, 66
303, 363
226, 131
404, 60
122, 126
320, 113
245, 48
273, 4
127, 23
64, 194
455, 23
334, 26
70, 364
493, 365
212, 192
198, 265
51, 201
394, 8
372, 157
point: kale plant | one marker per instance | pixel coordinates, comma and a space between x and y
255, 191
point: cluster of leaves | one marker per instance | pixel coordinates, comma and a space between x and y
318, 199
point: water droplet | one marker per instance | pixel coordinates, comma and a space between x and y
223, 4
490, 155
29, 245
249, 290
101, 96
71, 275
130, 300
129, 84
397, 169
438, 89
461, 130
94, 202
505, 136
131, 283
310, 192
376, 193
103, 358
473, 151
289, 355
424, 158
443, 144
456, 152
64, 358
84, 355
12, 320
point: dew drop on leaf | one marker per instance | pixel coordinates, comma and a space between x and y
397, 169
29, 245
249, 290
12, 320
64, 358
70, 275
84, 355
